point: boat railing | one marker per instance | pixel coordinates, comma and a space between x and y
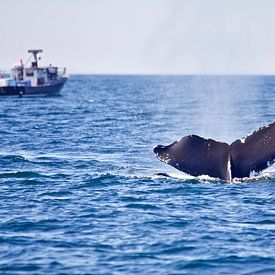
61, 71
4, 74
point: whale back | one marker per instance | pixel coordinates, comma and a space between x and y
197, 156
254, 153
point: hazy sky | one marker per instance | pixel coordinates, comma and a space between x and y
142, 36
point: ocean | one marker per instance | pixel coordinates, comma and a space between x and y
79, 190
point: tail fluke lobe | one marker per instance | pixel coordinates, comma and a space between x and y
254, 153
197, 156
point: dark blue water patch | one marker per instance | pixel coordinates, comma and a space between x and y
223, 265
141, 206
21, 174
79, 192
9, 159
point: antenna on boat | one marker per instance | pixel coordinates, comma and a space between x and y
35, 53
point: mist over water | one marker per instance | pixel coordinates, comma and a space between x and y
216, 108
223, 108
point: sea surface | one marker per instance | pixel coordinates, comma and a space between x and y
79, 192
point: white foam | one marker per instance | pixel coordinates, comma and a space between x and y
243, 140
186, 177
229, 172
267, 174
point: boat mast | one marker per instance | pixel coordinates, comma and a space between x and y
35, 53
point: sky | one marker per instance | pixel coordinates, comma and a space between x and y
142, 36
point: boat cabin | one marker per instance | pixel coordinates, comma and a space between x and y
35, 75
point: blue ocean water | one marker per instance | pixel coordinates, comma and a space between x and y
79, 192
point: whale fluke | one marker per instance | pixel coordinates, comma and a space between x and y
198, 156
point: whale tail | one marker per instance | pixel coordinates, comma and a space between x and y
198, 156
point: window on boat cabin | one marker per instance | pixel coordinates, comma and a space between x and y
40, 80
29, 72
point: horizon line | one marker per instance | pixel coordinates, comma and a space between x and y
173, 74
164, 73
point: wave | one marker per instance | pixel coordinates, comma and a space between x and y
8, 159
21, 174
186, 177
111, 178
264, 176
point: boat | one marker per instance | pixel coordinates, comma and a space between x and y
33, 79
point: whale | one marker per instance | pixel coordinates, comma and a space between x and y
198, 156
